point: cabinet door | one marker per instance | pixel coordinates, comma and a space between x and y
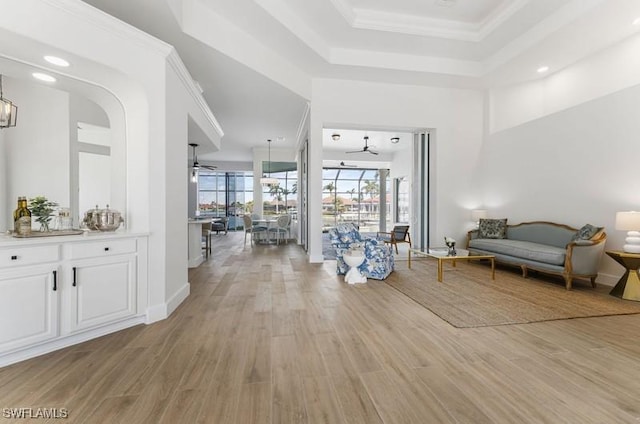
102, 290
28, 306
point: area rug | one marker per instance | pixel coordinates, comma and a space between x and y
468, 297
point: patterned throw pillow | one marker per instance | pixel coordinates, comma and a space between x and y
586, 232
492, 228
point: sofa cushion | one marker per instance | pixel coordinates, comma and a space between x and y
522, 249
586, 232
492, 228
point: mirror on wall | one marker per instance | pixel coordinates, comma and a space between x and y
94, 166
69, 146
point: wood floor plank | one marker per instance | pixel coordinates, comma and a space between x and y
286, 341
254, 404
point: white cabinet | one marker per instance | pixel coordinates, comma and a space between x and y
57, 293
29, 299
102, 290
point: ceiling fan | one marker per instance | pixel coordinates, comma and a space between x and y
346, 165
365, 148
196, 166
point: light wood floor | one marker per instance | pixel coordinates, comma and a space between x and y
266, 337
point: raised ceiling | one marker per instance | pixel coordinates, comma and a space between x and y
255, 59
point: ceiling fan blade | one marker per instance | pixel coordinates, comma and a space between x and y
355, 151
372, 152
209, 167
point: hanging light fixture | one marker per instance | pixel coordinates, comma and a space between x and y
196, 166
269, 181
8, 111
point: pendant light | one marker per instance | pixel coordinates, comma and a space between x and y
268, 181
196, 166
8, 111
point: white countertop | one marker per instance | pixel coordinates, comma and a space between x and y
7, 240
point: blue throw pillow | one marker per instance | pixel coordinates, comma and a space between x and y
586, 232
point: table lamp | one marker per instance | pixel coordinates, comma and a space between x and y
630, 222
477, 214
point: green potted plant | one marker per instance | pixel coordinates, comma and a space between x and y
42, 209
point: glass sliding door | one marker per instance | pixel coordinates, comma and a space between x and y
227, 194
354, 195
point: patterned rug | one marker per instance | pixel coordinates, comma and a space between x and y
468, 297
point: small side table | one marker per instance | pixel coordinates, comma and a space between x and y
629, 285
354, 259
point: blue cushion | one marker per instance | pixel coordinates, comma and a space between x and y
522, 249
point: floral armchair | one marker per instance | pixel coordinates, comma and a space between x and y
378, 262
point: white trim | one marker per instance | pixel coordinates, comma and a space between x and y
195, 262
108, 23
189, 84
377, 20
66, 341
163, 310
607, 279
178, 297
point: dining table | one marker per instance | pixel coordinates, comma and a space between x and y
267, 223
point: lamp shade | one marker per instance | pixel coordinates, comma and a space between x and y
478, 214
628, 221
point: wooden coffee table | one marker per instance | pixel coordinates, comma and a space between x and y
442, 255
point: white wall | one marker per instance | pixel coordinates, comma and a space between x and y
131, 65
606, 72
37, 148
574, 167
456, 115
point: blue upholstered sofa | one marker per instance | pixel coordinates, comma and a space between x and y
546, 247
378, 262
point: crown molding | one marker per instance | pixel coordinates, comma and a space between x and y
129, 33
377, 20
108, 23
176, 63
406, 62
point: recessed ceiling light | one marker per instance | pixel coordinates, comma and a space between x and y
543, 69
395, 140
636, 21
335, 136
58, 61
43, 77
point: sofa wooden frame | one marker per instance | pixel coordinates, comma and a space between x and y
567, 273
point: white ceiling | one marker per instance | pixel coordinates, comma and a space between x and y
462, 43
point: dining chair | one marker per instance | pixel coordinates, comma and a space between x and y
399, 234
220, 224
206, 238
249, 228
283, 223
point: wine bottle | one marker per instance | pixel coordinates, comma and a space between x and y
22, 218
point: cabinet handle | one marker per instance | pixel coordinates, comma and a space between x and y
74, 277
55, 280
106, 249
14, 257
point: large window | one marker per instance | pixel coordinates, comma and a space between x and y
402, 200
282, 198
226, 194
353, 195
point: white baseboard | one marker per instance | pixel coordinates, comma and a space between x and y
67, 340
163, 310
607, 279
195, 262
178, 298
316, 259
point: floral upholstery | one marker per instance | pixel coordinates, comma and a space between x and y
492, 228
378, 262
